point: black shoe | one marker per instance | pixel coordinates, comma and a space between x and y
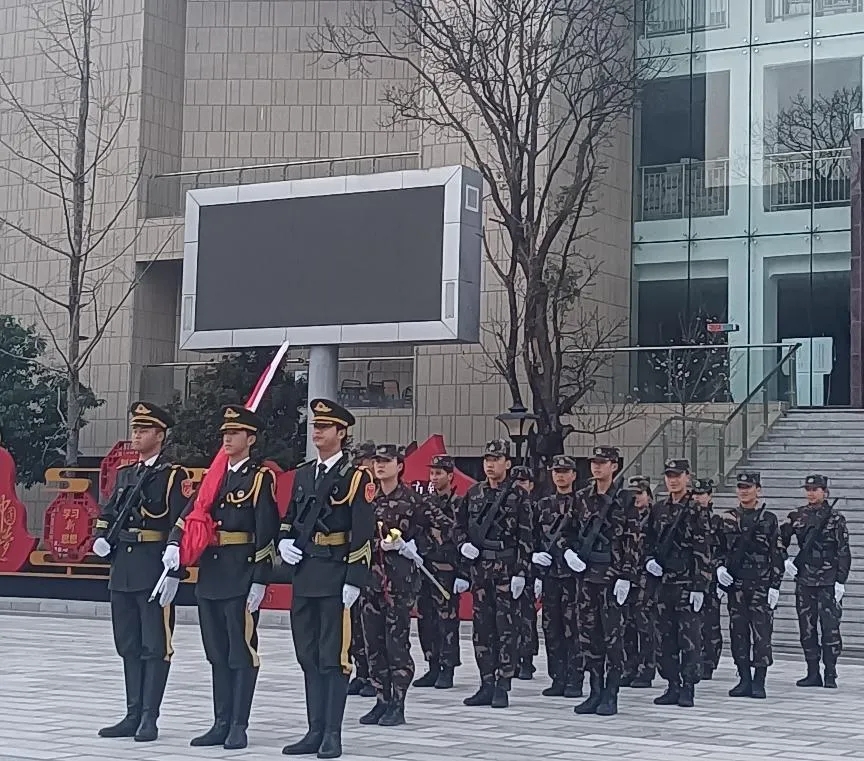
813, 678
223, 686
526, 670
757, 689
670, 696
310, 743
356, 685
155, 679
483, 696
147, 729
573, 689
133, 676
394, 716
430, 677
374, 716
367, 691
589, 705
500, 698
685, 696
830, 678
609, 704
556, 690
126, 727
331, 745
335, 689
236, 739
445, 678
707, 674
244, 691
627, 680
744, 688
641, 682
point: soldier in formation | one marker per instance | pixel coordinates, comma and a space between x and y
529, 641
712, 632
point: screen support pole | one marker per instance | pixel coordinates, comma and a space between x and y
323, 382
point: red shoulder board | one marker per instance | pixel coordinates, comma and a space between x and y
369, 492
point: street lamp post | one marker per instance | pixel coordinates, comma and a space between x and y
518, 422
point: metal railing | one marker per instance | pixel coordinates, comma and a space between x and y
685, 189
715, 446
800, 180
166, 193
779, 10
665, 17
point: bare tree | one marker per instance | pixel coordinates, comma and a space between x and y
65, 148
535, 90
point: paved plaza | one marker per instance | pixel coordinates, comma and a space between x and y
60, 680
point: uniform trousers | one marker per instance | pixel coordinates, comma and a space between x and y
142, 629
229, 632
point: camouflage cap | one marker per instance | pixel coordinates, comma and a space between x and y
389, 452
522, 473
606, 454
676, 466
363, 451
443, 462
703, 486
637, 482
816, 481
497, 448
563, 462
749, 478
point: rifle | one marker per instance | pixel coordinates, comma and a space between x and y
814, 533
130, 496
741, 546
589, 537
310, 518
478, 529
665, 545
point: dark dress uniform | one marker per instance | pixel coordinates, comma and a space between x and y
438, 624
337, 553
247, 519
827, 564
712, 630
142, 629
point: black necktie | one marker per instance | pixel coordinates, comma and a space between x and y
322, 469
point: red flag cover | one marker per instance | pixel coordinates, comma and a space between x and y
417, 464
199, 529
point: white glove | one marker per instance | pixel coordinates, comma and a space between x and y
517, 586
168, 590
290, 552
469, 551
350, 593
255, 597
721, 594
621, 590
724, 577
696, 600
791, 568
102, 548
171, 557
460, 586
839, 591
773, 598
654, 568
409, 550
543, 559
395, 546
574, 561
538, 588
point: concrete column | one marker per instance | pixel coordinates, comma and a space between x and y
323, 382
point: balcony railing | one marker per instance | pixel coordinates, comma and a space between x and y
779, 10
665, 17
686, 189
801, 180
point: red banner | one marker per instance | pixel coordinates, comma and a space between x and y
69, 526
121, 454
15, 543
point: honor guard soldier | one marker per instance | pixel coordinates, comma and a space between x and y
678, 552
327, 536
640, 629
438, 625
233, 577
494, 537
603, 546
529, 642
362, 456
133, 529
712, 631
820, 570
750, 570
557, 585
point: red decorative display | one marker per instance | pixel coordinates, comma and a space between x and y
121, 454
69, 523
417, 464
15, 543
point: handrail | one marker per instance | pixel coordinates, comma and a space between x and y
672, 347
774, 370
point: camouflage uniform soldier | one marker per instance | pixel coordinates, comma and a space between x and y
712, 631
820, 572
360, 685
438, 625
558, 584
603, 544
678, 553
750, 569
392, 594
494, 530
640, 628
529, 642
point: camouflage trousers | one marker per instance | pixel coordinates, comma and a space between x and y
357, 650
712, 631
496, 629
438, 622
529, 642
386, 630
559, 628
679, 628
601, 628
816, 607
750, 619
640, 638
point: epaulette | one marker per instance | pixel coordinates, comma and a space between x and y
345, 467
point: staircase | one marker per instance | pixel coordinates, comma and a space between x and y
827, 441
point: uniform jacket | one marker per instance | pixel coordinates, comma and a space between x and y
136, 565
345, 494
643, 516
689, 561
400, 509
617, 549
764, 556
830, 559
245, 504
551, 513
441, 511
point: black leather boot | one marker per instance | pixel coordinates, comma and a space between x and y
378, 710
133, 676
244, 691
573, 684
430, 677
316, 687
830, 673
670, 696
744, 688
589, 705
555, 690
813, 678
155, 679
356, 685
758, 688
500, 696
687, 695
222, 687
526, 669
445, 678
483, 696
609, 704
394, 716
336, 694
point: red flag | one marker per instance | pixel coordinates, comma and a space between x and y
199, 529
417, 464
